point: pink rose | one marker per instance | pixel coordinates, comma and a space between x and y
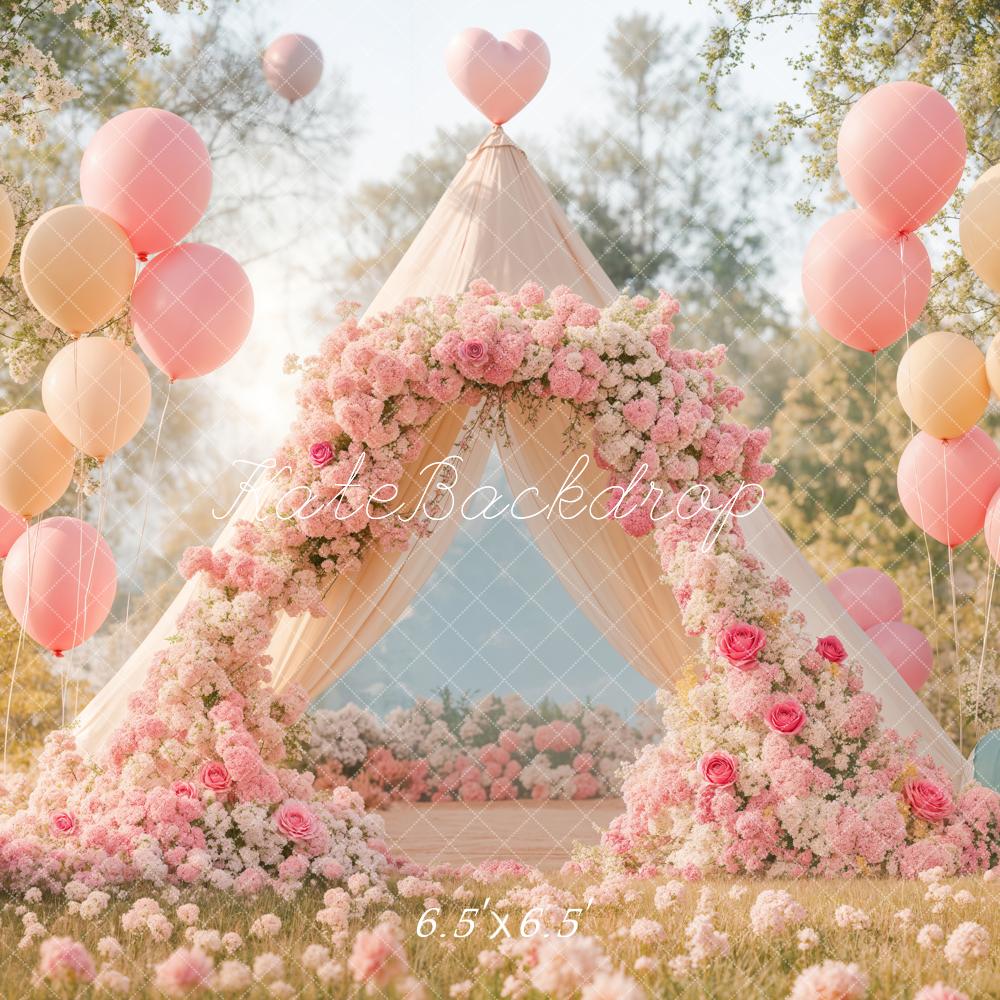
472, 351
831, 648
63, 823
740, 643
296, 820
786, 716
214, 776
184, 788
928, 800
320, 454
719, 768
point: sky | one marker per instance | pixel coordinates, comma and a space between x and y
493, 617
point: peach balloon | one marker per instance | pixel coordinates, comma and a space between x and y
59, 581
150, 171
901, 152
293, 65
77, 268
36, 462
864, 288
907, 649
97, 393
991, 527
946, 486
868, 596
993, 365
12, 527
191, 310
941, 383
979, 227
8, 230
499, 77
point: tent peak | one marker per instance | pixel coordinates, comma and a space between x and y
494, 139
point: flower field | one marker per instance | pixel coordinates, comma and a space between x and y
638, 937
497, 749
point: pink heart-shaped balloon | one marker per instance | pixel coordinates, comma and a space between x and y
498, 77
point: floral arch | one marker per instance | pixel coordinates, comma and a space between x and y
776, 761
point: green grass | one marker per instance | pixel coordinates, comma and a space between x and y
755, 968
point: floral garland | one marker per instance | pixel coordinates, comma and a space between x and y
494, 750
776, 762
194, 786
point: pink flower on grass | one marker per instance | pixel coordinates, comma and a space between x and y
377, 957
928, 800
63, 823
719, 768
321, 453
831, 648
183, 971
296, 820
830, 981
939, 991
786, 716
64, 961
214, 776
740, 643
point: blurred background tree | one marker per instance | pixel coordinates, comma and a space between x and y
837, 438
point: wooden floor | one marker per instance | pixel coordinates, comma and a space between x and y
537, 833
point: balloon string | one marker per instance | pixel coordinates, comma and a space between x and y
927, 544
17, 651
145, 506
986, 632
954, 605
104, 486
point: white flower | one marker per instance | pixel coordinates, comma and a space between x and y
968, 942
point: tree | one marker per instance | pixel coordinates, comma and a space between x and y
383, 216
661, 196
949, 46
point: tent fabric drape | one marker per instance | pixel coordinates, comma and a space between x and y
500, 222
614, 579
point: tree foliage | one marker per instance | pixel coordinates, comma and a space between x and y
856, 46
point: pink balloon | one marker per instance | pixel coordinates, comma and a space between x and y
191, 310
868, 596
946, 486
991, 528
150, 171
71, 586
906, 648
864, 288
11, 528
498, 77
901, 153
293, 65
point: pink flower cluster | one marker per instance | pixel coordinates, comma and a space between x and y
776, 761
497, 749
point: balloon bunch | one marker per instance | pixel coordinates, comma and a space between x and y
874, 601
866, 274
146, 178
949, 474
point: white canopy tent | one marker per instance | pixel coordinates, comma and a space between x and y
499, 221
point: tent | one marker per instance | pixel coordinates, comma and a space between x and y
500, 222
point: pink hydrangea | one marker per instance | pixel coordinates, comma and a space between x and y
63, 961
183, 971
